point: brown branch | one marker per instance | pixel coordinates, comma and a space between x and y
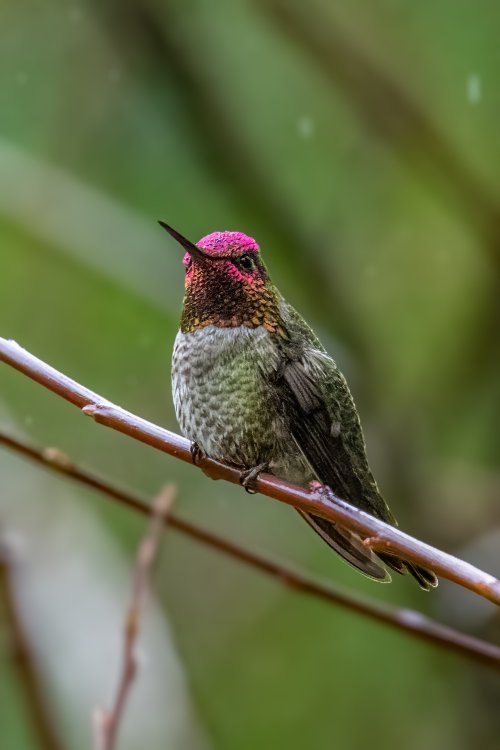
107, 723
405, 620
321, 502
39, 713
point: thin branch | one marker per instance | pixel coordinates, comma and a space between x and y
320, 502
38, 711
107, 723
404, 620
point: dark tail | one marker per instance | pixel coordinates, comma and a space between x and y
426, 579
350, 547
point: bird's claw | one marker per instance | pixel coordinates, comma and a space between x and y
197, 453
315, 486
248, 478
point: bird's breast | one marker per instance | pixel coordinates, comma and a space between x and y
220, 394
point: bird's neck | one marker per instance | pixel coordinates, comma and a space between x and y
251, 307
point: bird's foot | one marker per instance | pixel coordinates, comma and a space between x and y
248, 478
315, 486
197, 453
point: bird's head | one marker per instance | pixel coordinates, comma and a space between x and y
227, 284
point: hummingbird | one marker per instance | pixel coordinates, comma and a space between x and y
253, 386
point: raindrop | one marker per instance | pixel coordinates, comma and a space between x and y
75, 14
370, 271
473, 88
114, 74
305, 126
21, 78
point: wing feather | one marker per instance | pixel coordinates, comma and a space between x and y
319, 435
322, 418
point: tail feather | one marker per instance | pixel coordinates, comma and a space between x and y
426, 579
350, 547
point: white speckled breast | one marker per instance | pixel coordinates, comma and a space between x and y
220, 398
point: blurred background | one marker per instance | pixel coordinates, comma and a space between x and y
358, 143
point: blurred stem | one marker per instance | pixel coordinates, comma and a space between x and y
391, 112
395, 117
107, 723
135, 25
46, 735
404, 620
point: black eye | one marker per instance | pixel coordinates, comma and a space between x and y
245, 263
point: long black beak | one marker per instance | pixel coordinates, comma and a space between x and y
191, 248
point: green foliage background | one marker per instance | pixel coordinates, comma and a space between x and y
359, 143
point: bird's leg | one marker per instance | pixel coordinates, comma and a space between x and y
197, 453
248, 478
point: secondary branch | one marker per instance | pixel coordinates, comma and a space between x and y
407, 621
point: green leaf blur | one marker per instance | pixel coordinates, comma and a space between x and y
359, 144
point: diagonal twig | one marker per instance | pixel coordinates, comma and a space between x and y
404, 620
107, 723
321, 502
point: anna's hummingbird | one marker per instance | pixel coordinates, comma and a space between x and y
253, 386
